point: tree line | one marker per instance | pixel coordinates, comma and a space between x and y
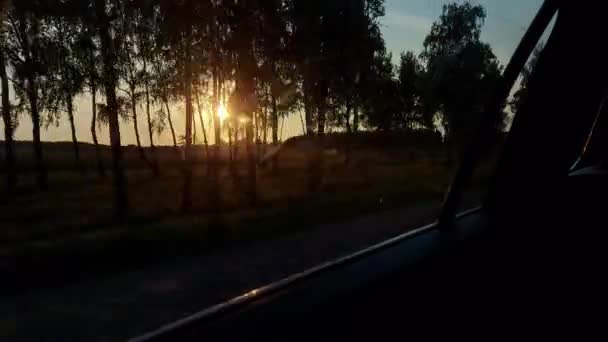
261, 59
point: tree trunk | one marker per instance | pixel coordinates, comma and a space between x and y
275, 131
100, 167
275, 121
170, 122
78, 163
42, 177
307, 108
231, 131
265, 127
321, 122
248, 86
110, 82
317, 161
256, 128
257, 139
355, 118
32, 94
187, 185
214, 198
251, 162
349, 131
235, 141
140, 149
216, 117
193, 127
203, 128
11, 174
264, 132
348, 110
155, 167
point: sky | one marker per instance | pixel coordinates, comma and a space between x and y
407, 22
404, 27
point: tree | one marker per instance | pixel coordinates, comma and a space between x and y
181, 23
32, 56
383, 102
271, 51
409, 74
163, 75
68, 78
7, 115
304, 50
9, 122
357, 44
463, 69
110, 80
130, 73
87, 48
246, 72
145, 44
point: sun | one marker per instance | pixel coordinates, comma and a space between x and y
222, 112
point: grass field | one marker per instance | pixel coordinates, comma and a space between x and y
69, 228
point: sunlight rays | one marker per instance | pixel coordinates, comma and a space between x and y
222, 112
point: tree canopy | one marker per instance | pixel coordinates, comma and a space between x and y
263, 60
462, 69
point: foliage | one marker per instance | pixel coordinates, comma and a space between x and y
462, 69
33, 56
263, 59
409, 75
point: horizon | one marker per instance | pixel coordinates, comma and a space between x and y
404, 28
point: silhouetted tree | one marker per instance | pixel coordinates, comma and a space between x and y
182, 24
164, 73
245, 31
271, 52
68, 78
305, 48
130, 73
32, 55
87, 48
270, 58
409, 74
110, 75
9, 123
462, 68
383, 108
143, 32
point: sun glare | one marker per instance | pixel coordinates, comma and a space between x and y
222, 112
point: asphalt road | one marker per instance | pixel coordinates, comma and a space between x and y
124, 305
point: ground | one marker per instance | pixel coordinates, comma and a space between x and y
74, 267
126, 304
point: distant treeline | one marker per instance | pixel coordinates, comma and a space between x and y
257, 60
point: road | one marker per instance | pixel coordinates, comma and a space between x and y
124, 305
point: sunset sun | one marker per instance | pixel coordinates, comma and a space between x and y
222, 112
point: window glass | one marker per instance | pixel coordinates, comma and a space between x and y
159, 157
474, 194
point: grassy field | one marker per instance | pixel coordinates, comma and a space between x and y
69, 228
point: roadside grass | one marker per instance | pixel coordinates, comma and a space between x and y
67, 232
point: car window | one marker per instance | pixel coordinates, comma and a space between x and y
159, 157
490, 154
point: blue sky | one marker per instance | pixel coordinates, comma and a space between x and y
404, 27
407, 22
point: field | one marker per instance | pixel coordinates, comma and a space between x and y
69, 228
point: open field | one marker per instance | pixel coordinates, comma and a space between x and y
69, 228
